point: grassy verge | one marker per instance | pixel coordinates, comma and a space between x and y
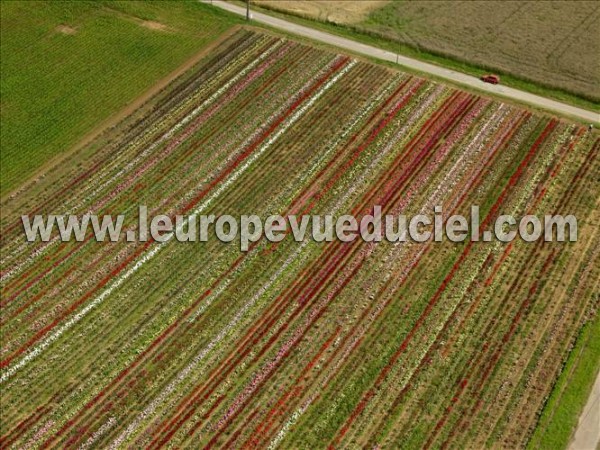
440, 60
264, 28
67, 67
570, 394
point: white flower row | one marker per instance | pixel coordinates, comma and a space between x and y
151, 408
98, 433
377, 310
169, 134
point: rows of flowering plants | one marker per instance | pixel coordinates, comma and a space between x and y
298, 344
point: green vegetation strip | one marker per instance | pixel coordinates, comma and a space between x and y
571, 392
67, 67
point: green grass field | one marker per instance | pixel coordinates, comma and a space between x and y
67, 67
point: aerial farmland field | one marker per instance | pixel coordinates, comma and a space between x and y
70, 66
551, 47
362, 344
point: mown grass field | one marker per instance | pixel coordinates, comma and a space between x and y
69, 66
548, 48
299, 345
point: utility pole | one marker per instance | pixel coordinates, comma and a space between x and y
247, 9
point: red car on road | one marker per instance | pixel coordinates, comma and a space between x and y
490, 78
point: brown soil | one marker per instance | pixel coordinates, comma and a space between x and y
344, 12
65, 29
154, 25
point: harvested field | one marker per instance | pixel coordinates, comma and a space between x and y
299, 345
336, 11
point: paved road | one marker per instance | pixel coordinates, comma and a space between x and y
587, 434
421, 66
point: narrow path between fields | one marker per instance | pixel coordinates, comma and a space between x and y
447, 74
587, 434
